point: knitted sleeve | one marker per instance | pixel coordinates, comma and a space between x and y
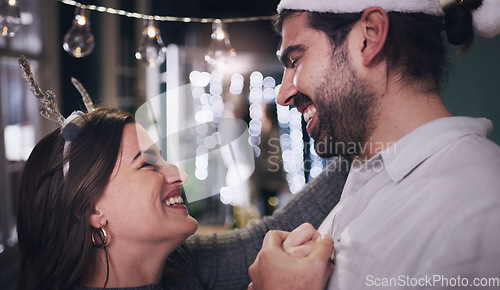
221, 260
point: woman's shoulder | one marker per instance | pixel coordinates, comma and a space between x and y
154, 286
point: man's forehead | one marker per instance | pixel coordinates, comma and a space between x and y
293, 27
294, 19
298, 35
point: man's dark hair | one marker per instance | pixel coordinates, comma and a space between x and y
414, 44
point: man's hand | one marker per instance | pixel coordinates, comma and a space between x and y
300, 242
275, 269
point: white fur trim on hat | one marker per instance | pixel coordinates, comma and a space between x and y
486, 19
431, 7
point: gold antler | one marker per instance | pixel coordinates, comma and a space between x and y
49, 106
85, 95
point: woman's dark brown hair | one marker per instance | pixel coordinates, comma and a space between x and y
53, 229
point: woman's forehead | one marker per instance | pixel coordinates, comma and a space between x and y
135, 138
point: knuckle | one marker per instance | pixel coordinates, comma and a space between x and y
251, 271
309, 225
293, 251
264, 255
271, 233
306, 226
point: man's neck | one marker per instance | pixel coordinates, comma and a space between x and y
400, 110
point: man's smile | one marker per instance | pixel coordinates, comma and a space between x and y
306, 107
309, 113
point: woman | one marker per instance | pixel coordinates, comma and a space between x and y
122, 197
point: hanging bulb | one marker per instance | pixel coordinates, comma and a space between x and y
79, 41
10, 18
151, 50
220, 50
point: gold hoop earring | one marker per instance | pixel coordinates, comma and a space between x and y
103, 237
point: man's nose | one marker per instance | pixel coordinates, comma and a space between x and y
287, 90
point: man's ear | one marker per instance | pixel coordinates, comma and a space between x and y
374, 29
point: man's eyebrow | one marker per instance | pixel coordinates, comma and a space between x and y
284, 55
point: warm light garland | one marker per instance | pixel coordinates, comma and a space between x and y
163, 18
151, 51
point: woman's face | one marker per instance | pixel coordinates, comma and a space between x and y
142, 202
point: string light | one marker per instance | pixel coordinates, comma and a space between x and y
292, 145
79, 40
10, 18
208, 112
151, 50
237, 83
256, 111
120, 12
316, 162
220, 50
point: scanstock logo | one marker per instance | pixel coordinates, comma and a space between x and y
222, 143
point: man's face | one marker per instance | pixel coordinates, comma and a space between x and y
321, 82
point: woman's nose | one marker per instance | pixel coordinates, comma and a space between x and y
287, 90
174, 175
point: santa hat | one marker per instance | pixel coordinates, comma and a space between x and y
486, 18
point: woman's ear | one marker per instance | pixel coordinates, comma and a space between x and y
374, 29
97, 218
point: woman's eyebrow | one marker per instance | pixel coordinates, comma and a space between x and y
149, 151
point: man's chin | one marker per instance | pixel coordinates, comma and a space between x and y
325, 149
328, 147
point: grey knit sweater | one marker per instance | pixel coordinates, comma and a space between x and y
221, 260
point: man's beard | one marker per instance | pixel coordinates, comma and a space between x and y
345, 109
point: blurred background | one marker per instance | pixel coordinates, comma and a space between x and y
211, 61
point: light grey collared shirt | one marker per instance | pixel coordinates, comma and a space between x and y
424, 213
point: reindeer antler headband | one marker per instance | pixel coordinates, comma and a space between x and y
50, 111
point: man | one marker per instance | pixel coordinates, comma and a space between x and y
420, 207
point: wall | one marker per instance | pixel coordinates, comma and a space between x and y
474, 83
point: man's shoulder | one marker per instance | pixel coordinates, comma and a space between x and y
471, 153
468, 167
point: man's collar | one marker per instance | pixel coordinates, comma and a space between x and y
414, 148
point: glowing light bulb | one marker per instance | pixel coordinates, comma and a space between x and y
220, 50
151, 50
10, 18
79, 41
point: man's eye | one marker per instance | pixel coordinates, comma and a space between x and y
293, 62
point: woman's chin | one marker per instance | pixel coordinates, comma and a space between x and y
194, 225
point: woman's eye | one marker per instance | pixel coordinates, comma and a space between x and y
145, 164
149, 163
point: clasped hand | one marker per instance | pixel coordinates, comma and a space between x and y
296, 260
